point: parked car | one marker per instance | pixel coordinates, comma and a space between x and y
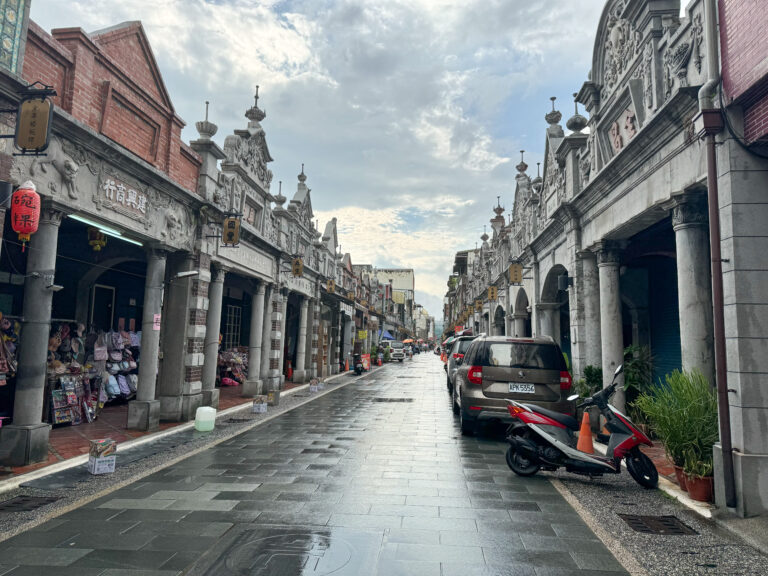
396, 351
458, 349
496, 369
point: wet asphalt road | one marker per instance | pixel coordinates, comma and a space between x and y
372, 478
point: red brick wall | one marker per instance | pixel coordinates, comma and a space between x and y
744, 57
110, 83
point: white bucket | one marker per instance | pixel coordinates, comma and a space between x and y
205, 418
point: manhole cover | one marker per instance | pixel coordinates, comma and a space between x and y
393, 399
662, 525
25, 503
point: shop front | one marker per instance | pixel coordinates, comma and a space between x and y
83, 301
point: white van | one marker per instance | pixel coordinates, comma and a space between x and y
396, 350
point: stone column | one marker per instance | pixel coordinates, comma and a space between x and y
26, 440
300, 373
212, 330
252, 385
591, 299
315, 339
283, 336
266, 344
694, 284
520, 318
611, 335
144, 412
349, 325
546, 313
276, 340
335, 342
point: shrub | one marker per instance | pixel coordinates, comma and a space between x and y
683, 414
591, 383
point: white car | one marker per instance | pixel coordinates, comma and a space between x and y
396, 351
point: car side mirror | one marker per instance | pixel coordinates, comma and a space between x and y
572, 397
459, 361
619, 369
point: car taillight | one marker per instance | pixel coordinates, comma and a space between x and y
565, 380
475, 375
457, 355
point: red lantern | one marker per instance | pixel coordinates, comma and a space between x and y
25, 212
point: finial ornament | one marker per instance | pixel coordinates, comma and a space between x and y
302, 176
255, 114
577, 122
205, 128
522, 167
280, 199
554, 116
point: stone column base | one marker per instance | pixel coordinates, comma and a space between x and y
252, 388
751, 491
211, 398
335, 370
300, 376
23, 445
190, 403
143, 415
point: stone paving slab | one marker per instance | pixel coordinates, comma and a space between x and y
344, 485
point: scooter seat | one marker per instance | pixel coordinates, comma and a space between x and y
564, 419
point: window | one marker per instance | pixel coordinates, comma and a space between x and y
232, 327
517, 355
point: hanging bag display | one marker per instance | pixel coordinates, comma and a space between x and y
113, 388
100, 352
122, 383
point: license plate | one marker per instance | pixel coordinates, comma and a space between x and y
522, 388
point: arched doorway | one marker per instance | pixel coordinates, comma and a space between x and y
499, 328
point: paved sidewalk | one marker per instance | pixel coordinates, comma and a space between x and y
371, 478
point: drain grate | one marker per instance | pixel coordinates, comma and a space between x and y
662, 525
393, 399
25, 503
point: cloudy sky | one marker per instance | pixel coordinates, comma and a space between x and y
408, 114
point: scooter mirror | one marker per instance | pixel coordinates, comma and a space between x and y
619, 369
572, 397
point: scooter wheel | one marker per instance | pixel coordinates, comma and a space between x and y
519, 464
642, 469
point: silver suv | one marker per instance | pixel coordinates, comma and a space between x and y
496, 369
457, 351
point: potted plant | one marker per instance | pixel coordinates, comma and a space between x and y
638, 379
698, 475
682, 412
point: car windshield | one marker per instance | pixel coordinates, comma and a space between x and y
522, 355
397, 345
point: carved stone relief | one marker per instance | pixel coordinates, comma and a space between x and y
621, 45
676, 59
59, 167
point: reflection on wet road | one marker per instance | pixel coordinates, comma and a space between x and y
373, 478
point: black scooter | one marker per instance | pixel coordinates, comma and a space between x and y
357, 360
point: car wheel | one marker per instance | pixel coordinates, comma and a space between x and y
467, 426
400, 360
454, 404
519, 464
449, 385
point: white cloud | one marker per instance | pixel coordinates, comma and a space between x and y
406, 112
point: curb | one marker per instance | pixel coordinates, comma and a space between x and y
16, 481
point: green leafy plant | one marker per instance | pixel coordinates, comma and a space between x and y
374, 351
683, 414
695, 465
387, 357
591, 383
638, 369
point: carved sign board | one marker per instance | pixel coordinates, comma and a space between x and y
622, 130
248, 259
298, 284
116, 192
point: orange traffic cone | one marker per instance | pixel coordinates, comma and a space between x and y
585, 436
346, 365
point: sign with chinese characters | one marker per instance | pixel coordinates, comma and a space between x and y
362, 334
117, 192
300, 284
33, 124
248, 258
230, 231
516, 273
156, 322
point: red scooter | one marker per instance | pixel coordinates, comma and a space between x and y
545, 440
